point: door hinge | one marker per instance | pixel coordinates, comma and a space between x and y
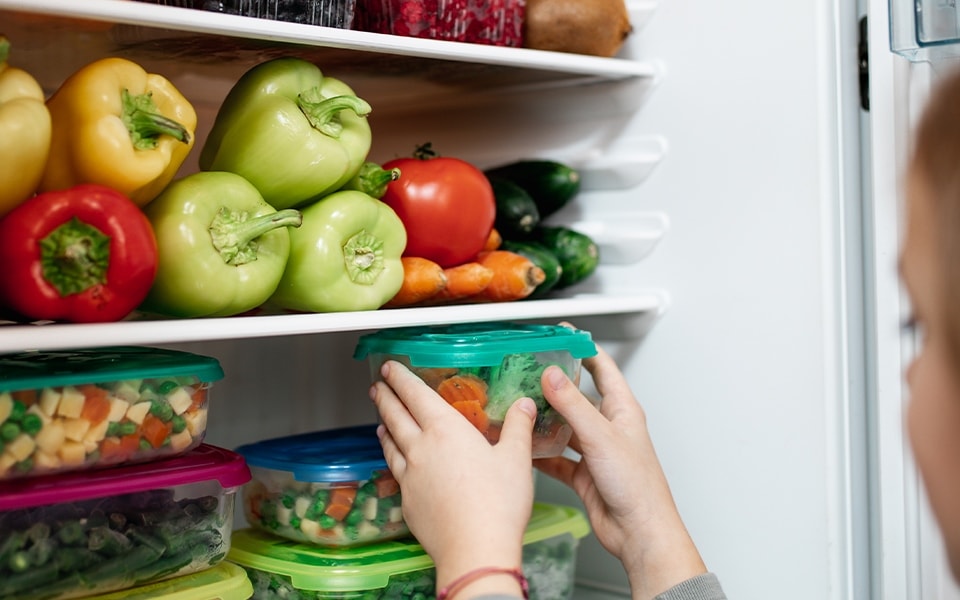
863, 64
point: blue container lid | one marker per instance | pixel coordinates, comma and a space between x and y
333, 455
474, 344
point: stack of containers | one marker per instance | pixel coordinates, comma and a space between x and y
325, 511
105, 484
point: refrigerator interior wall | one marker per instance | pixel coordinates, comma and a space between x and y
727, 138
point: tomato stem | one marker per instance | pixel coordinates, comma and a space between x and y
74, 257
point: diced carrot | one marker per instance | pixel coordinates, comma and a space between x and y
341, 501
472, 410
26, 397
199, 398
464, 388
514, 276
154, 430
422, 279
386, 485
113, 449
96, 406
493, 240
463, 281
434, 376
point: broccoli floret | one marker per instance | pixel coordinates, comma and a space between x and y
517, 376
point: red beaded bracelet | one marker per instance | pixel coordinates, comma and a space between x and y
470, 576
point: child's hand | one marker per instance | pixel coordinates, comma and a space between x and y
466, 501
619, 479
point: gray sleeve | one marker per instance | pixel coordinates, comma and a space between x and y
701, 587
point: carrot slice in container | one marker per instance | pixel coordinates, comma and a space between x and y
386, 485
341, 501
155, 431
464, 388
474, 413
434, 376
96, 406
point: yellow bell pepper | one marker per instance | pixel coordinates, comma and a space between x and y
117, 125
24, 133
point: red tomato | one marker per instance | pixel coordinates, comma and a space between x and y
447, 206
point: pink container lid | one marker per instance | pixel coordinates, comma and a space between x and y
204, 463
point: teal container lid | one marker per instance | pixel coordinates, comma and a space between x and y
370, 567
26, 370
332, 455
474, 344
224, 581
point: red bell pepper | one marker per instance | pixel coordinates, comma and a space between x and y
84, 254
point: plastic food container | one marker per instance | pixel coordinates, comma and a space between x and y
482, 368
493, 22
400, 569
328, 13
70, 410
330, 488
224, 581
85, 533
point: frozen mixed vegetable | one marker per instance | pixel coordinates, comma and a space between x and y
340, 514
76, 549
58, 428
416, 585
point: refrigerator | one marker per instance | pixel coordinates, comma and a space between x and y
746, 203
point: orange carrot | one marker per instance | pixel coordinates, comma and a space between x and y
386, 485
463, 281
155, 431
493, 240
464, 388
96, 406
341, 500
434, 376
514, 276
26, 397
474, 413
422, 279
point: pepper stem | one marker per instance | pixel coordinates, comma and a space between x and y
74, 257
234, 233
4, 49
372, 179
324, 113
146, 124
363, 258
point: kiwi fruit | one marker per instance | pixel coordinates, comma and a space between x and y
595, 27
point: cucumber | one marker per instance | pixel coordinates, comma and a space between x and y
543, 258
550, 183
577, 252
517, 214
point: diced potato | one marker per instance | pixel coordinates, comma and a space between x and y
75, 429
370, 508
71, 403
138, 411
72, 453
36, 410
180, 441
46, 462
310, 528
301, 505
6, 463
196, 422
49, 401
367, 530
21, 447
6, 406
179, 400
90, 446
128, 390
118, 409
283, 514
338, 531
97, 432
395, 515
51, 437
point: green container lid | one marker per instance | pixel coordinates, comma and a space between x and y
224, 581
370, 567
474, 344
27, 370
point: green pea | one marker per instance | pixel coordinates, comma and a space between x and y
161, 410
9, 431
16, 413
179, 423
295, 522
167, 386
31, 424
327, 522
288, 499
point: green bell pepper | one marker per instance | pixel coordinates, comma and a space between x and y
222, 248
291, 132
345, 256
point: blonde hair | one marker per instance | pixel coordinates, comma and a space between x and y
936, 162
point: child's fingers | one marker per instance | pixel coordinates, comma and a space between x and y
420, 399
609, 381
517, 430
394, 415
391, 453
586, 421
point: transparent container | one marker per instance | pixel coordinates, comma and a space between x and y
224, 581
330, 488
492, 22
925, 30
84, 533
401, 568
481, 369
78, 409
